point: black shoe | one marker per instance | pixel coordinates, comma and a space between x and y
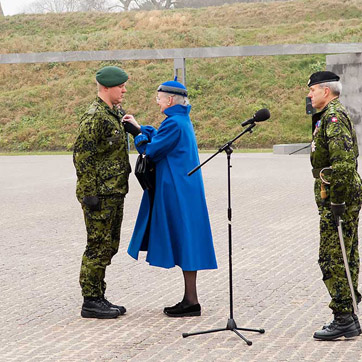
97, 308
166, 309
343, 325
121, 308
358, 326
180, 310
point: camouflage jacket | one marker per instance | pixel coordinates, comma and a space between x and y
335, 144
101, 152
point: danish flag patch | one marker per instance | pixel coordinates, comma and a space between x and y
334, 120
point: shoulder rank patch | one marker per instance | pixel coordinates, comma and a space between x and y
334, 119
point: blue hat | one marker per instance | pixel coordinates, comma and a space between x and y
174, 87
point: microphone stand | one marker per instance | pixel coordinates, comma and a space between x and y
231, 325
300, 149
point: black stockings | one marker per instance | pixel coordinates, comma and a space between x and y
190, 297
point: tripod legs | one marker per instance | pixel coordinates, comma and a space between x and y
231, 326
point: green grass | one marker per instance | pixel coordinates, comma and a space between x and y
40, 104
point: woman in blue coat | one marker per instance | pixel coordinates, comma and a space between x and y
173, 223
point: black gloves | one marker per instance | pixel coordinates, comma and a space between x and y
130, 128
92, 202
338, 210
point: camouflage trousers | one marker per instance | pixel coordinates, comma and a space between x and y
103, 236
331, 259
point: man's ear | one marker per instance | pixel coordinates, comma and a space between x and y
327, 91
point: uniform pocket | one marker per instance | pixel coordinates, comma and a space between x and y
111, 177
108, 170
103, 214
113, 140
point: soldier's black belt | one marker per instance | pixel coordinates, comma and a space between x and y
316, 171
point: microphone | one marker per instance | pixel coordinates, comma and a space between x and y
308, 106
260, 116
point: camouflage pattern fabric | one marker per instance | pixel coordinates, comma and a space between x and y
335, 144
103, 230
102, 165
101, 153
331, 260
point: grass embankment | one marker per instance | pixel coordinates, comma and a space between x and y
40, 103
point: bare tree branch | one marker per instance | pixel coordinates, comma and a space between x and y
157, 4
125, 4
60, 6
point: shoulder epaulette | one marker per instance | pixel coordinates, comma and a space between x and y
92, 109
331, 110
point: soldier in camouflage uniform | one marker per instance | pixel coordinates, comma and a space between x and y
102, 166
338, 193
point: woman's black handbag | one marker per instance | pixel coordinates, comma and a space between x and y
145, 172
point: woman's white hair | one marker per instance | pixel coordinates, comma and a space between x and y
179, 99
335, 87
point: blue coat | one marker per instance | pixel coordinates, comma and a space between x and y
179, 230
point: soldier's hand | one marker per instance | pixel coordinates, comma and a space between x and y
92, 202
338, 210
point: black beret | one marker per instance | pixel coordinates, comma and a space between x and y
111, 76
322, 77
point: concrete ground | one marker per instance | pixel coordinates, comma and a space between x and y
277, 281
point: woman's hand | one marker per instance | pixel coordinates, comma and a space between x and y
129, 118
130, 125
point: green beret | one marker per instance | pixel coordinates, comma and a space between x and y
111, 76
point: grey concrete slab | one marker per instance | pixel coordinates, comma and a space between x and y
205, 52
288, 148
277, 282
349, 68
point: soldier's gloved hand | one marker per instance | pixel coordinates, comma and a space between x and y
338, 210
131, 128
92, 202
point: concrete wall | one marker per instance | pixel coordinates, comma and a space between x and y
207, 52
348, 64
349, 68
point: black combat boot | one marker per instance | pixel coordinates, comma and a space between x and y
98, 308
343, 325
358, 326
121, 308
